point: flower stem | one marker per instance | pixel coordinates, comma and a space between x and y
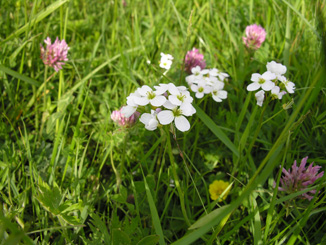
176, 179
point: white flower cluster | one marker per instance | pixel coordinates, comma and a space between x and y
166, 61
207, 81
271, 80
168, 103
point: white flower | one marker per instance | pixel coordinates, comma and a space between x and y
290, 86
149, 120
147, 95
262, 81
276, 68
195, 77
210, 76
221, 75
166, 56
166, 61
218, 93
201, 89
260, 97
131, 107
276, 93
177, 115
180, 98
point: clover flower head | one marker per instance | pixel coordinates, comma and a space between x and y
194, 58
255, 36
121, 120
217, 188
54, 54
300, 178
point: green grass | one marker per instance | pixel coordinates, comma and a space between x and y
69, 175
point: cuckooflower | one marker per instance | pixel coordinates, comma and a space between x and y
262, 81
218, 93
255, 36
194, 58
276, 68
290, 86
147, 95
166, 61
217, 188
201, 89
260, 97
150, 120
276, 93
177, 115
54, 54
300, 178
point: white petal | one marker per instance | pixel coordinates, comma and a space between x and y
145, 118
158, 101
268, 85
152, 124
127, 111
275, 90
194, 87
182, 123
254, 86
222, 94
173, 89
199, 95
141, 101
165, 117
144, 89
216, 98
255, 77
169, 105
174, 100
187, 109
268, 75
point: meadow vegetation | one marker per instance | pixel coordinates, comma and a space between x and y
69, 174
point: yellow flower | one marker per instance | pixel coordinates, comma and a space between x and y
217, 188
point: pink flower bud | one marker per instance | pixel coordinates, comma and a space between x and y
193, 59
122, 121
255, 36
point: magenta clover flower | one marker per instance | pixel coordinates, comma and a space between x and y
55, 53
193, 59
300, 178
255, 36
123, 121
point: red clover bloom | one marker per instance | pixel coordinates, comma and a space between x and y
299, 178
193, 59
122, 121
55, 53
255, 36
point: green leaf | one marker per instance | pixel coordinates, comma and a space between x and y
40, 16
208, 218
155, 217
149, 240
49, 197
19, 76
101, 226
119, 237
215, 129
